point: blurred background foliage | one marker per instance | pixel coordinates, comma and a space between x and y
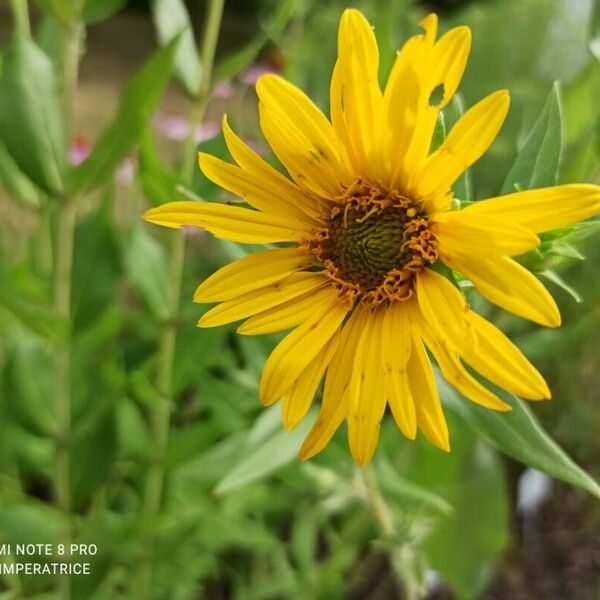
124, 426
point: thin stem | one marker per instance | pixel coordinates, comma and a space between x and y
62, 303
400, 558
71, 48
63, 265
161, 415
382, 512
20, 11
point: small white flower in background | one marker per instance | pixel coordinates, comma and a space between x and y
533, 490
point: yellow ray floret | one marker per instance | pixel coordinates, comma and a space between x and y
367, 236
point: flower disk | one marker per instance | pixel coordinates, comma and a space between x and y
366, 224
374, 244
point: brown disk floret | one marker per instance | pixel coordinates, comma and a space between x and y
375, 242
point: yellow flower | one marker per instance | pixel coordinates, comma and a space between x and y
365, 215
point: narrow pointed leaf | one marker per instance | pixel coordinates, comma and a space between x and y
31, 126
519, 434
171, 19
138, 103
538, 161
263, 456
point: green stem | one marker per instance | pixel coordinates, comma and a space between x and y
62, 303
400, 558
161, 415
63, 265
382, 512
71, 49
20, 11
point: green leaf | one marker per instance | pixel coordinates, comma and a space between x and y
538, 161
439, 133
20, 305
94, 11
235, 62
271, 30
519, 434
29, 379
96, 270
171, 19
264, 453
304, 538
49, 37
202, 185
463, 188
63, 10
595, 30
93, 454
406, 492
138, 102
31, 523
556, 279
158, 182
31, 126
147, 270
16, 182
479, 520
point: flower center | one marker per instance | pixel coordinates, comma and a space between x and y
374, 244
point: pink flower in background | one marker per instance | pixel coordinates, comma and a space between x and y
223, 90
273, 63
80, 149
207, 131
126, 171
251, 75
175, 127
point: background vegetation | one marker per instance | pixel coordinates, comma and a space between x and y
123, 425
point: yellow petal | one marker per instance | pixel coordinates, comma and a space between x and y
442, 305
300, 136
430, 416
335, 394
400, 108
287, 315
293, 354
467, 141
422, 70
357, 98
256, 301
367, 392
263, 195
442, 72
543, 209
228, 222
509, 285
401, 402
452, 370
250, 273
460, 232
500, 361
395, 352
289, 196
297, 401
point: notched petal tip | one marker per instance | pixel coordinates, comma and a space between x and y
430, 25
